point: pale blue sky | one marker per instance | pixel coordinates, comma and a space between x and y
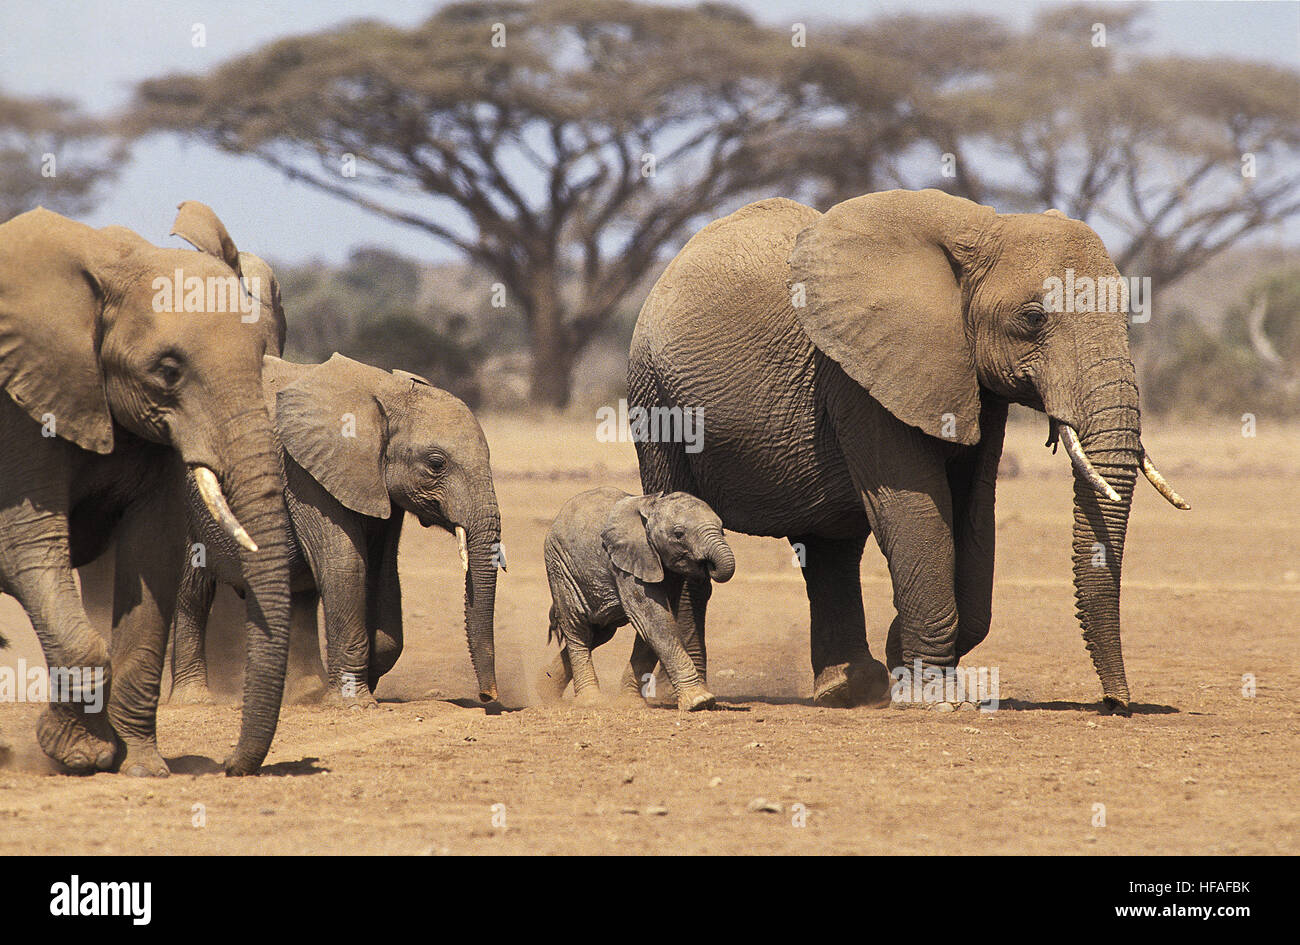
93, 52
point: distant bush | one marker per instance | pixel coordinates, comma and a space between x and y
1251, 364
377, 308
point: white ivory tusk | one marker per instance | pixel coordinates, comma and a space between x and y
1083, 465
210, 490
464, 548
1153, 475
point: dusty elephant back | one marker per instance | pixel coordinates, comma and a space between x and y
718, 332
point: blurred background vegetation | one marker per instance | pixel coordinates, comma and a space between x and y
569, 161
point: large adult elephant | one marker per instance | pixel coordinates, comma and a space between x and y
854, 370
126, 364
362, 447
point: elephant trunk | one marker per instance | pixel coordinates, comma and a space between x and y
255, 488
1110, 439
718, 556
483, 550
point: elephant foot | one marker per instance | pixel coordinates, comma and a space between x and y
941, 705
696, 699
83, 742
1114, 705
350, 692
359, 701
589, 696
239, 769
843, 685
143, 761
191, 692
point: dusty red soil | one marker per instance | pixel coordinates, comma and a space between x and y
1210, 596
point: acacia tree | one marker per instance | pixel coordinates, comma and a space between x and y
52, 155
1160, 148
561, 146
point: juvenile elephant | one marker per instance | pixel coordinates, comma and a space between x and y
854, 370
613, 559
125, 365
362, 447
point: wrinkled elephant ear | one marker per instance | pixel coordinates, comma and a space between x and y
51, 308
199, 225
879, 279
260, 282
625, 539
332, 424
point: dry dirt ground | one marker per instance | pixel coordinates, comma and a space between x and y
1210, 596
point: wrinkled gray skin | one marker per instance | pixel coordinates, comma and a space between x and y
416, 449
613, 559
109, 399
854, 369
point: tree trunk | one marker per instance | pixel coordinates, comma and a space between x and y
554, 349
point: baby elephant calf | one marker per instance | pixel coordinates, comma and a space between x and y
612, 559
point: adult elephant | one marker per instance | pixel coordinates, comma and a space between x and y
126, 364
854, 370
362, 447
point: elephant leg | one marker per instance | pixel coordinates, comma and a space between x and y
844, 671
556, 677
36, 564
337, 555
915, 533
692, 606
973, 481
900, 475
307, 678
578, 639
194, 597
149, 570
689, 614
385, 603
649, 610
638, 678
347, 640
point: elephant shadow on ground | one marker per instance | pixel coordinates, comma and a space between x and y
461, 702
745, 702
201, 764
1097, 708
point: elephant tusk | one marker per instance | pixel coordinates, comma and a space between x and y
210, 490
1082, 465
1162, 486
464, 548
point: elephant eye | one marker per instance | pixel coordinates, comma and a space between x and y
168, 371
1035, 317
679, 532
437, 460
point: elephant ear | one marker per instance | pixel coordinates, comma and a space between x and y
627, 543
257, 275
199, 225
332, 424
53, 273
879, 276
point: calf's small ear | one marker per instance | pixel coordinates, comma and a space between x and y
625, 539
331, 423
